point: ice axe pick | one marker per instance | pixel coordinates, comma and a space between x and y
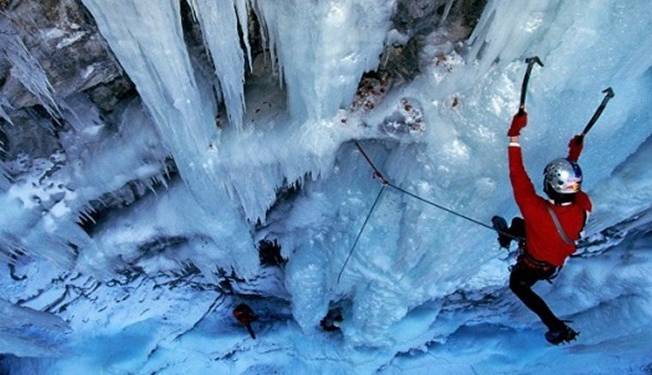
609, 93
530, 63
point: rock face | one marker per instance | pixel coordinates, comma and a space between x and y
63, 37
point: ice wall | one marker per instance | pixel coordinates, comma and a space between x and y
412, 253
627, 191
30, 333
411, 257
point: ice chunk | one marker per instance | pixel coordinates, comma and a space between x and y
307, 282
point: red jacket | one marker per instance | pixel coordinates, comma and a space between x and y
542, 241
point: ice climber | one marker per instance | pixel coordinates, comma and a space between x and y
549, 227
245, 315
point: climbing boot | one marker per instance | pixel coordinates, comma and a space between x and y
563, 334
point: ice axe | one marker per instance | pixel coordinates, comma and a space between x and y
609, 93
530, 63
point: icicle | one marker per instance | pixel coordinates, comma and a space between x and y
161, 180
154, 55
150, 185
319, 71
26, 69
242, 6
7, 258
219, 24
447, 10
70, 250
14, 251
22, 252
85, 216
267, 39
3, 114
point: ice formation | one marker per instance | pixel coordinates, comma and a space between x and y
171, 255
219, 23
26, 69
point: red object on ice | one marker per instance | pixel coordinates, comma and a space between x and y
245, 315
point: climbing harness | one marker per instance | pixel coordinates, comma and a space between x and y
544, 267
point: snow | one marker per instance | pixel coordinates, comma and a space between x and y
28, 332
423, 289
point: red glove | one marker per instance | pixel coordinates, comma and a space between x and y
518, 122
575, 147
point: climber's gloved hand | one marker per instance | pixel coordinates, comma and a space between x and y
518, 122
575, 147
500, 225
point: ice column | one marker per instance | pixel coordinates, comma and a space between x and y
147, 38
219, 25
323, 48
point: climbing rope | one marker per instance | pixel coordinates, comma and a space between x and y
439, 206
364, 224
386, 182
378, 174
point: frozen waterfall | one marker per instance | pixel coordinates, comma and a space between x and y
255, 104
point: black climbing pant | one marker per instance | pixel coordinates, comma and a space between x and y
521, 280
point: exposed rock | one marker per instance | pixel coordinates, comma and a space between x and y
402, 61
107, 95
63, 37
420, 17
32, 134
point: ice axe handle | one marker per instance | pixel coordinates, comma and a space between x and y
609, 93
530, 63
